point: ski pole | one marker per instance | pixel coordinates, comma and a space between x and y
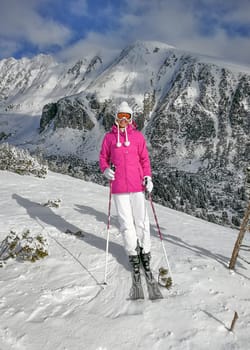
160, 234
107, 240
108, 227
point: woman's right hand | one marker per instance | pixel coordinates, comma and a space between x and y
109, 174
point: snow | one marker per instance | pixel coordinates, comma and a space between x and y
59, 302
22, 128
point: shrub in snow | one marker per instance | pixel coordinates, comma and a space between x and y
23, 246
3, 136
76, 233
20, 161
53, 203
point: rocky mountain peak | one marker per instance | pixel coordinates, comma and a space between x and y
193, 110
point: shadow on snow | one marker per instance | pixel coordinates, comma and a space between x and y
47, 216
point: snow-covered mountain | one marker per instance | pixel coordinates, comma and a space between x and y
59, 302
194, 111
26, 85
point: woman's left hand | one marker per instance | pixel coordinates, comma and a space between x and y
147, 182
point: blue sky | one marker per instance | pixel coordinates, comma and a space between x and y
75, 28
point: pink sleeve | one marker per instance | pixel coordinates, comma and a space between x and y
104, 156
144, 158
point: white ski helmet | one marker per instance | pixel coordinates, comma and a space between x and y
124, 108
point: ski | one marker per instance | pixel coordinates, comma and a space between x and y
138, 262
136, 292
154, 292
152, 285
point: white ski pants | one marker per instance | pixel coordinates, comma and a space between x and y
134, 221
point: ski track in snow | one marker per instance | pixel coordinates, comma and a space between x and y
60, 302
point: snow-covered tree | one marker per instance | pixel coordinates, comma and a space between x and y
20, 161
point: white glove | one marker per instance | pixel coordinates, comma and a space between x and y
109, 174
147, 182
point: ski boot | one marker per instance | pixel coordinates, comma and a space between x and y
136, 291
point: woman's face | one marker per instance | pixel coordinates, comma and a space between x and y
123, 119
123, 123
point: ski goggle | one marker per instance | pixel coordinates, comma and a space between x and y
123, 115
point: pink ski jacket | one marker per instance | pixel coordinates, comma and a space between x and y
131, 159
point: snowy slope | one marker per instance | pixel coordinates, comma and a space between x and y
59, 303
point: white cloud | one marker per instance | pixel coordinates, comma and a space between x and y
194, 25
179, 23
241, 14
20, 20
94, 44
46, 32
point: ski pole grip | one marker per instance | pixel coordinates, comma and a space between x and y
112, 166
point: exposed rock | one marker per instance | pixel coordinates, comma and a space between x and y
66, 113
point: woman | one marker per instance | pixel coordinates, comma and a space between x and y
125, 148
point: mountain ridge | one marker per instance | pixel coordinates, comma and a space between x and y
194, 113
